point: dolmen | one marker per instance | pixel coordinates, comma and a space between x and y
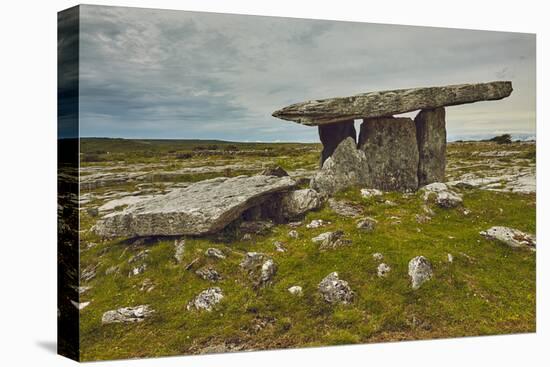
391, 153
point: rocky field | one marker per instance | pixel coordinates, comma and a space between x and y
453, 259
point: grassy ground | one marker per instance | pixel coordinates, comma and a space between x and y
487, 289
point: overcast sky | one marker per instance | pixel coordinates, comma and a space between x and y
174, 74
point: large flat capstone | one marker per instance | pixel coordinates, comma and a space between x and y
201, 208
391, 102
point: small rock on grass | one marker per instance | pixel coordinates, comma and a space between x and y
127, 314
345, 208
215, 253
368, 193
279, 246
293, 234
206, 300
331, 240
450, 258
444, 197
316, 223
511, 237
261, 269
420, 270
383, 270
209, 274
377, 256
335, 290
367, 224
295, 290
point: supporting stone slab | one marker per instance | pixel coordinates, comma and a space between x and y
432, 144
332, 135
391, 153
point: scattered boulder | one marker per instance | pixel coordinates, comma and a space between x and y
377, 256
369, 193
391, 151
331, 240
334, 290
316, 223
367, 224
383, 270
421, 218
420, 270
276, 171
450, 258
269, 268
295, 290
202, 208
215, 253
444, 197
295, 204
127, 314
138, 270
510, 236
261, 269
279, 246
209, 274
206, 300
179, 249
346, 167
293, 234
345, 208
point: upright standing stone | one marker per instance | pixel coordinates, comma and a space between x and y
333, 134
432, 143
391, 152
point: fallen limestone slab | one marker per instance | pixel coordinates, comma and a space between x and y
202, 208
391, 102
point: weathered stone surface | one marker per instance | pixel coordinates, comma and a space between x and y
420, 270
127, 314
334, 290
316, 223
206, 300
209, 274
444, 197
274, 171
295, 290
296, 203
369, 193
377, 256
391, 153
367, 224
261, 268
383, 270
293, 234
345, 208
432, 144
510, 236
202, 208
331, 240
346, 167
333, 134
215, 253
391, 102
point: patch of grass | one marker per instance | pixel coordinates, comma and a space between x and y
488, 288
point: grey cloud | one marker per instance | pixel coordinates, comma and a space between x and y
156, 73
